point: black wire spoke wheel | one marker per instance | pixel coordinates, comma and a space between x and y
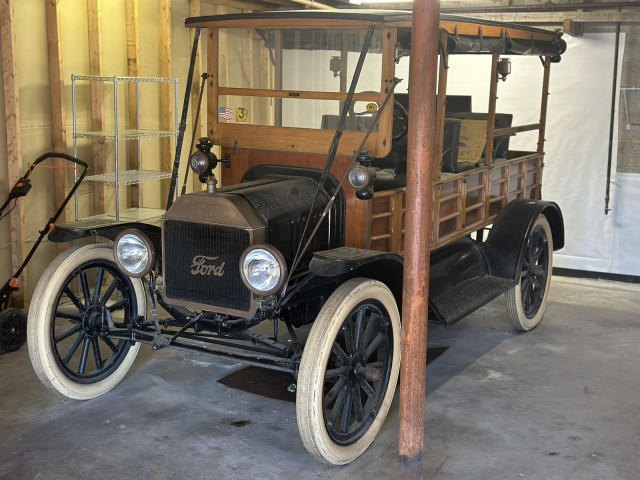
13, 330
358, 372
534, 271
527, 300
79, 298
348, 371
95, 295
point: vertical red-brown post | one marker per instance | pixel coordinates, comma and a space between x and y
421, 142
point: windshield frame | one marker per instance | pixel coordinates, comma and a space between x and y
296, 139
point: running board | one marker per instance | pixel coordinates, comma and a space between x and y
469, 296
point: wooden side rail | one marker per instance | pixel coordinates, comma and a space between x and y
463, 202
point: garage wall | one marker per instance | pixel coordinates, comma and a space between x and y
35, 111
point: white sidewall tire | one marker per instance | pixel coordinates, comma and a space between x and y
309, 395
39, 325
513, 296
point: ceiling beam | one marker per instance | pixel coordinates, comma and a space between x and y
551, 18
574, 29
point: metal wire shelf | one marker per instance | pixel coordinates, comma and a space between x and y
148, 215
129, 177
130, 134
116, 132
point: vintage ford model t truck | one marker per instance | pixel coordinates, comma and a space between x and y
305, 228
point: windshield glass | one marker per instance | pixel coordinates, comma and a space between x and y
297, 78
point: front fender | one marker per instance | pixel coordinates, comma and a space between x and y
108, 229
505, 245
346, 263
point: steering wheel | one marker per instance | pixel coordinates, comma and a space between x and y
400, 121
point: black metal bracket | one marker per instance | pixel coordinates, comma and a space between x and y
183, 120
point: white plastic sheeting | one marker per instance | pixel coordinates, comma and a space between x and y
577, 151
577, 143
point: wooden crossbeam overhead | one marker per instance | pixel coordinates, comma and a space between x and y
14, 148
553, 18
56, 92
273, 4
575, 29
94, 21
244, 4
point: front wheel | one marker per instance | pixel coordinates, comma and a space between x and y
80, 296
349, 371
526, 301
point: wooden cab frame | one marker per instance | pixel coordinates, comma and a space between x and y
464, 201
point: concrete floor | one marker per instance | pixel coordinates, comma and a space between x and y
561, 402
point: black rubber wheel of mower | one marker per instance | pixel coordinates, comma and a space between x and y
13, 330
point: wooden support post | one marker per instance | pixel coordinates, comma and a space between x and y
543, 118
133, 89
216, 67
491, 116
222, 61
14, 148
197, 124
56, 91
167, 115
265, 80
246, 47
441, 106
94, 17
277, 53
544, 102
415, 296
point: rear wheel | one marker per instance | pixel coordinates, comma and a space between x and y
78, 298
13, 329
527, 300
349, 371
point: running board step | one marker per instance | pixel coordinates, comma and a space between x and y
469, 296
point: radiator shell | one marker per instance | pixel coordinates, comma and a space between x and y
203, 236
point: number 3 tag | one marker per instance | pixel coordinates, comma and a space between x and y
242, 115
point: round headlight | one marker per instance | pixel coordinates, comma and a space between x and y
134, 253
263, 269
361, 177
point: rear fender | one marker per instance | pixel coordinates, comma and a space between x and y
505, 245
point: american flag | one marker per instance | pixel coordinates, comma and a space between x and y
225, 113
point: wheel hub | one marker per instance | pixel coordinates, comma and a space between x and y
92, 320
356, 366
